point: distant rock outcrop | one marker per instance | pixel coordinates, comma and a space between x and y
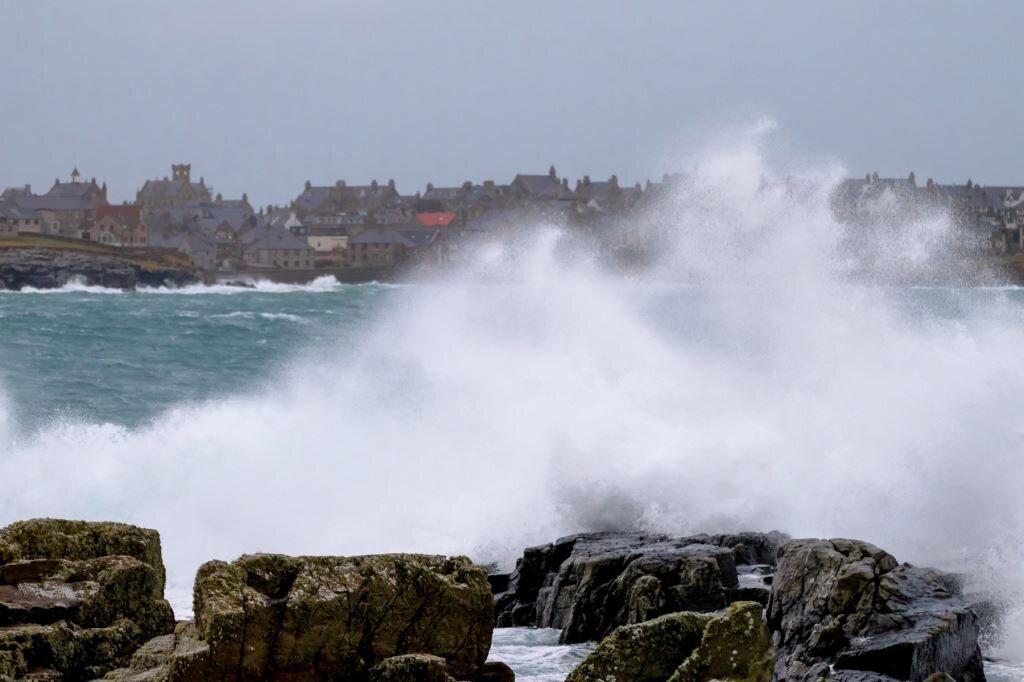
587, 585
847, 610
77, 598
46, 268
270, 616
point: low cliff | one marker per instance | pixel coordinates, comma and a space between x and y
49, 266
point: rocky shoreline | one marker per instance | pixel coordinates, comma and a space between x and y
51, 268
84, 601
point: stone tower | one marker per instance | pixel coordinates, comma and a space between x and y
181, 171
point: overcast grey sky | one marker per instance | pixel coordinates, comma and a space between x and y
261, 96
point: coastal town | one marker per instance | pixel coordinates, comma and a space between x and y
370, 230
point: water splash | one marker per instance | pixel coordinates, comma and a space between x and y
743, 383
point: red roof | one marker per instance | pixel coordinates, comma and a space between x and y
439, 219
129, 212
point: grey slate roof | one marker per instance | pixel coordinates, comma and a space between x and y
16, 213
313, 198
56, 203
409, 237
72, 190
268, 237
190, 241
539, 186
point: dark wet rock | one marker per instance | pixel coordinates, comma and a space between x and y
50, 268
77, 598
494, 671
270, 616
847, 610
732, 644
587, 585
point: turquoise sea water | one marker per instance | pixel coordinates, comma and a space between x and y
88, 354
127, 405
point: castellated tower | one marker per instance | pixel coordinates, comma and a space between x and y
181, 171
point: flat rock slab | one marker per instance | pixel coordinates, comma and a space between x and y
43, 603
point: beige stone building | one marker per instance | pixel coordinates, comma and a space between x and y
120, 226
174, 192
15, 221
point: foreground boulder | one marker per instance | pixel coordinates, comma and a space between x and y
733, 644
77, 598
587, 585
269, 616
847, 610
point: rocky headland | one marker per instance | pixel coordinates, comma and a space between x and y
84, 601
51, 268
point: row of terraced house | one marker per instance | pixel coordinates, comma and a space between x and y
990, 218
341, 226
326, 226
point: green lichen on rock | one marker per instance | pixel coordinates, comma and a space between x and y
77, 598
731, 645
736, 647
80, 540
644, 652
301, 617
411, 668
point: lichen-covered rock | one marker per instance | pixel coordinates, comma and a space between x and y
77, 598
59, 539
729, 646
735, 647
644, 652
587, 585
840, 608
178, 656
322, 618
411, 668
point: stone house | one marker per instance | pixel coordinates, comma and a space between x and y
482, 199
192, 243
372, 197
66, 205
318, 200
534, 188
377, 248
387, 247
440, 199
275, 247
329, 200
11, 194
119, 226
14, 220
174, 192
